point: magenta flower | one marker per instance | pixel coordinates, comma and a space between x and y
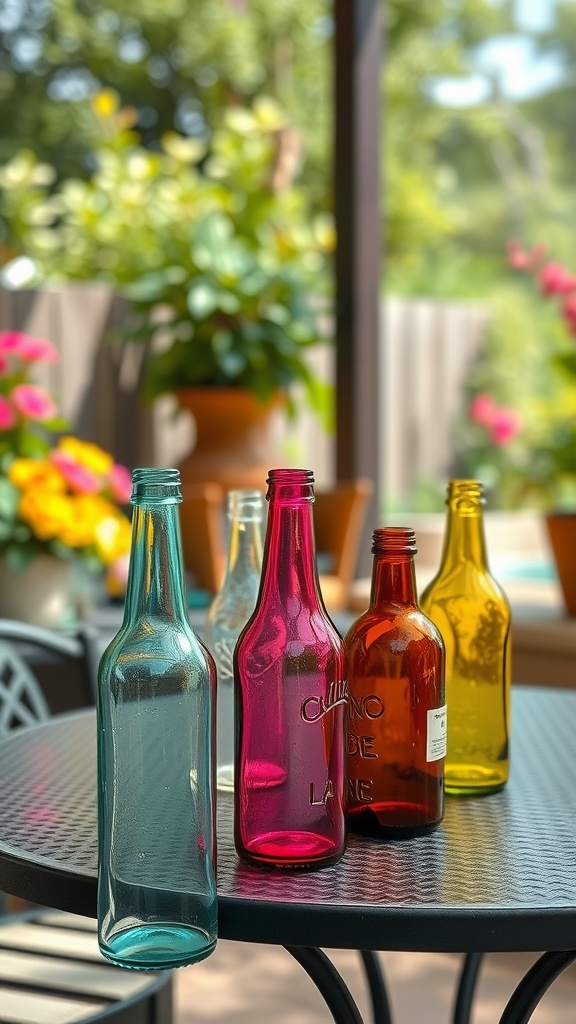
30, 350
482, 409
506, 424
35, 350
33, 402
10, 341
7, 416
554, 279
120, 480
79, 478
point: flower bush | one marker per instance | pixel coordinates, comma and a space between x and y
62, 497
519, 433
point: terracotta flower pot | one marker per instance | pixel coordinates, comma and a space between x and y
562, 533
235, 445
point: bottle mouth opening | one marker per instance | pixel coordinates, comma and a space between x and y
290, 485
290, 476
245, 505
466, 496
394, 540
155, 486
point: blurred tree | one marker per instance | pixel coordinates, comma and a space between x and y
175, 62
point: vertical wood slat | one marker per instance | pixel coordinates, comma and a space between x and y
429, 347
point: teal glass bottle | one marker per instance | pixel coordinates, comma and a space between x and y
157, 903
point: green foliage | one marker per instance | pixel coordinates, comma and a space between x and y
425, 43
215, 246
176, 63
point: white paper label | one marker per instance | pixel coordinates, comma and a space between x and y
436, 734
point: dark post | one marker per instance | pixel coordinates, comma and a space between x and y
358, 46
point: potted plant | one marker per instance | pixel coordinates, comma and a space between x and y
60, 497
529, 454
215, 247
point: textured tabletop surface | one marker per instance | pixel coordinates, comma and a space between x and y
500, 872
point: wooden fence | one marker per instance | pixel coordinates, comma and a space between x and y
427, 349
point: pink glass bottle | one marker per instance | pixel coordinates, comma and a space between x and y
291, 694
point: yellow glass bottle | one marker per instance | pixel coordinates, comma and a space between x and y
473, 615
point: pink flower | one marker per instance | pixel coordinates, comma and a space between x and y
518, 257
33, 350
506, 423
30, 350
10, 341
525, 259
554, 279
120, 481
80, 479
7, 417
482, 409
33, 402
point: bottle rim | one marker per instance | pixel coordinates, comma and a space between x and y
290, 476
465, 496
394, 540
155, 485
245, 505
290, 486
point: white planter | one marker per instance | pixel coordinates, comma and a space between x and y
39, 594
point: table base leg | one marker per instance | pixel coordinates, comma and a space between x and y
533, 986
466, 988
329, 983
381, 1013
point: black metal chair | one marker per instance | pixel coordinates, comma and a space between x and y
50, 964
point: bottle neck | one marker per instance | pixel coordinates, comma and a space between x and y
464, 540
289, 564
155, 577
244, 550
393, 580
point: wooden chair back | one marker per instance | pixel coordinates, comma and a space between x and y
339, 517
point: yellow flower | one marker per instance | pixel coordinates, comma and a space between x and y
105, 103
35, 474
45, 512
78, 528
113, 538
87, 454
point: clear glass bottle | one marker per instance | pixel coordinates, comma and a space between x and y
291, 695
396, 722
157, 903
473, 616
229, 613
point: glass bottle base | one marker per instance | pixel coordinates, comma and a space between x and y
473, 780
393, 821
158, 947
300, 850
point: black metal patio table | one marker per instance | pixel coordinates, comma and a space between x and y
498, 875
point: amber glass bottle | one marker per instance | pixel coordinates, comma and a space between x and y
396, 728
473, 616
